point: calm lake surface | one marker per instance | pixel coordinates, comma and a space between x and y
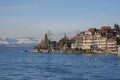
18, 65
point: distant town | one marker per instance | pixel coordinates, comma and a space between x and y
93, 40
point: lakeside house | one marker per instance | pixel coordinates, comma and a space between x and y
105, 39
102, 40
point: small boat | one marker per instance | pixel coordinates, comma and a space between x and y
24, 50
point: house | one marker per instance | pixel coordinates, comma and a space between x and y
111, 44
87, 40
62, 42
102, 44
78, 40
105, 29
44, 45
53, 45
96, 39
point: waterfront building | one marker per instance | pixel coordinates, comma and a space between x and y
102, 45
111, 44
105, 39
87, 41
62, 44
44, 45
96, 39
53, 45
78, 40
105, 29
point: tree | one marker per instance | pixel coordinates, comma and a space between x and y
118, 41
116, 26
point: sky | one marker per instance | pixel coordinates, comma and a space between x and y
33, 18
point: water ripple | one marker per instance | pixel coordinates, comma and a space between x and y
29, 66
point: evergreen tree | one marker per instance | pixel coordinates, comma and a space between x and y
116, 26
118, 41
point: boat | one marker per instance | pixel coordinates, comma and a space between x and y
24, 50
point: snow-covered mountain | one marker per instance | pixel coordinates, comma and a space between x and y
19, 41
3, 41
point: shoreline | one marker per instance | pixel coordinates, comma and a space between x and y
77, 52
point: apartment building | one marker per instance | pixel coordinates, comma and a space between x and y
103, 39
78, 39
87, 40
97, 38
102, 45
111, 44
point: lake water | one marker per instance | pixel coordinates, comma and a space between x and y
17, 65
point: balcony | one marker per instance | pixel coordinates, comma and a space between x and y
102, 43
111, 43
111, 46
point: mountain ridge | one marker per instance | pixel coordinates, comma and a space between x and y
18, 42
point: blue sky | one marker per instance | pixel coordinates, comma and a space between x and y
32, 18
